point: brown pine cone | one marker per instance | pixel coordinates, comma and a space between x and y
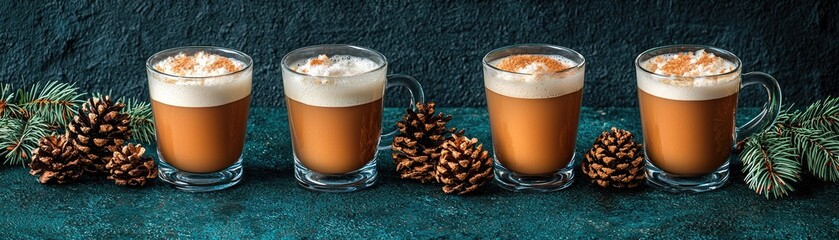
129, 167
55, 161
615, 160
416, 147
463, 167
97, 131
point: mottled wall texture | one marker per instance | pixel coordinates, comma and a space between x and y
103, 45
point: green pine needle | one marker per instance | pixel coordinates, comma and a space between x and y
821, 115
770, 164
55, 102
18, 137
819, 149
812, 134
6, 125
8, 107
141, 118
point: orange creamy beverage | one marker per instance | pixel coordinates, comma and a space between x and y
688, 119
335, 112
200, 103
534, 110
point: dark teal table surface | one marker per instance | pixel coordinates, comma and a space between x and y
268, 203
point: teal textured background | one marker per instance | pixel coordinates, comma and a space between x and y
103, 45
269, 204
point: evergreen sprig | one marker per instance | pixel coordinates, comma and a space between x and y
141, 118
821, 115
7, 104
811, 135
27, 115
770, 163
819, 149
19, 137
55, 102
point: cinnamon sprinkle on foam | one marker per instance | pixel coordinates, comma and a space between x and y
200, 64
531, 64
689, 64
334, 66
181, 63
320, 60
678, 65
223, 63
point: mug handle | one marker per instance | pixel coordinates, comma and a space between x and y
771, 108
417, 95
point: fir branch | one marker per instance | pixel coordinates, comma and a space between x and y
20, 137
55, 102
813, 136
141, 118
821, 115
7, 104
770, 163
6, 124
819, 149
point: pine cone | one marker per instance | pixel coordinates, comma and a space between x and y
128, 167
463, 167
97, 131
615, 160
416, 147
56, 161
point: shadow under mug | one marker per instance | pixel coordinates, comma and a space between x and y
689, 130
336, 121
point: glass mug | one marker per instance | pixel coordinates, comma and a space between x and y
689, 122
200, 122
335, 121
534, 119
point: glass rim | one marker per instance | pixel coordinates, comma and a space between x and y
579, 65
287, 68
738, 64
248, 62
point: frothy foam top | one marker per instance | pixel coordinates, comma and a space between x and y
334, 66
689, 76
534, 76
200, 64
336, 81
207, 80
689, 64
532, 64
